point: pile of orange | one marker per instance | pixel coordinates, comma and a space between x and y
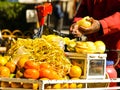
34, 70
31, 70
7, 67
46, 71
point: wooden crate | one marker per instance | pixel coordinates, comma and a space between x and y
80, 60
18, 84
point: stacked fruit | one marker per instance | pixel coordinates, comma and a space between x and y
38, 59
86, 46
44, 59
90, 47
29, 69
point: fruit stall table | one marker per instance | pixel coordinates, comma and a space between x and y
44, 82
48, 49
86, 82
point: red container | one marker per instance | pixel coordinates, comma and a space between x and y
111, 72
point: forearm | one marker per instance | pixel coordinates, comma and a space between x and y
111, 24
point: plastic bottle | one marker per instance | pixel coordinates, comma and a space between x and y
111, 72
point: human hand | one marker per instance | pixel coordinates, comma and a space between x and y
78, 31
74, 30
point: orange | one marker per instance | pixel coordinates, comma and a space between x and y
100, 46
48, 86
3, 60
4, 71
80, 85
45, 65
84, 22
31, 73
72, 85
65, 86
48, 73
11, 65
45, 73
7, 57
35, 86
75, 71
57, 86
21, 61
30, 64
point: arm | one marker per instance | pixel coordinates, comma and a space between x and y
111, 24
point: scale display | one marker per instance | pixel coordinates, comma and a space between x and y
96, 66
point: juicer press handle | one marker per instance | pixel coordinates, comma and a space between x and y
42, 12
82, 38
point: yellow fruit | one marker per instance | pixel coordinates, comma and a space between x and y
85, 47
35, 86
12, 75
91, 47
22, 61
71, 45
75, 71
7, 57
75, 84
74, 78
57, 86
3, 60
82, 45
81, 50
44, 79
4, 71
11, 65
80, 85
100, 46
65, 86
66, 40
48, 86
72, 85
84, 22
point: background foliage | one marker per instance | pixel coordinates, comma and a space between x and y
13, 15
